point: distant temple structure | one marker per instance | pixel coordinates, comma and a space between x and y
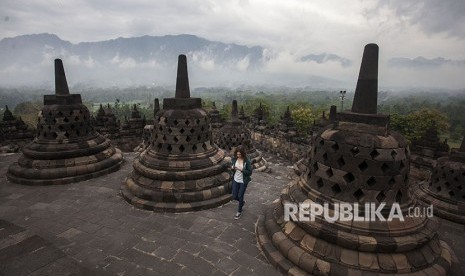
215, 117
182, 169
287, 126
131, 130
66, 148
259, 121
14, 133
234, 133
106, 123
242, 115
216, 121
356, 160
427, 149
148, 129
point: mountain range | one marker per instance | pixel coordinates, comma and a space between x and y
28, 59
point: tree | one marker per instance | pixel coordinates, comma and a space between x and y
28, 111
303, 117
414, 125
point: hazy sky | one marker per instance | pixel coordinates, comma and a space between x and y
288, 29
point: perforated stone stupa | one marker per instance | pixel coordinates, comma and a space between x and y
106, 123
148, 129
215, 117
287, 126
427, 149
131, 130
66, 148
14, 131
446, 188
234, 133
182, 169
357, 160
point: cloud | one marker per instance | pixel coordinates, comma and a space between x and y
421, 62
294, 33
432, 16
324, 57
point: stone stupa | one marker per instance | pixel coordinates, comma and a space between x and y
148, 129
14, 131
234, 133
356, 160
446, 188
66, 148
106, 123
182, 169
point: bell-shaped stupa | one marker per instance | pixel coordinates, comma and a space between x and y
355, 161
66, 148
15, 131
445, 190
182, 169
234, 133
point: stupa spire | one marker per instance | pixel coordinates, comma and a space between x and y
182, 79
61, 86
366, 92
234, 111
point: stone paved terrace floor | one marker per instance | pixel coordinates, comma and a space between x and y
86, 228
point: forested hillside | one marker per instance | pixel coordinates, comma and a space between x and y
411, 111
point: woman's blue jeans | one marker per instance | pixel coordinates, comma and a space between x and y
238, 191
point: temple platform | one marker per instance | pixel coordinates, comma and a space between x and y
86, 228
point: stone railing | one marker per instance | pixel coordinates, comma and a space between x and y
281, 146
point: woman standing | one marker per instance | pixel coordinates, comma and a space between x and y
242, 170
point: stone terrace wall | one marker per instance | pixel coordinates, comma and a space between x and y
280, 146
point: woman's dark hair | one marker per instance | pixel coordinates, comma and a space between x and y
240, 149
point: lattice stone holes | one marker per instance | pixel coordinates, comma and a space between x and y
401, 165
354, 151
349, 177
358, 194
336, 189
329, 172
399, 196
371, 181
392, 181
384, 167
325, 156
363, 166
341, 162
319, 183
380, 197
